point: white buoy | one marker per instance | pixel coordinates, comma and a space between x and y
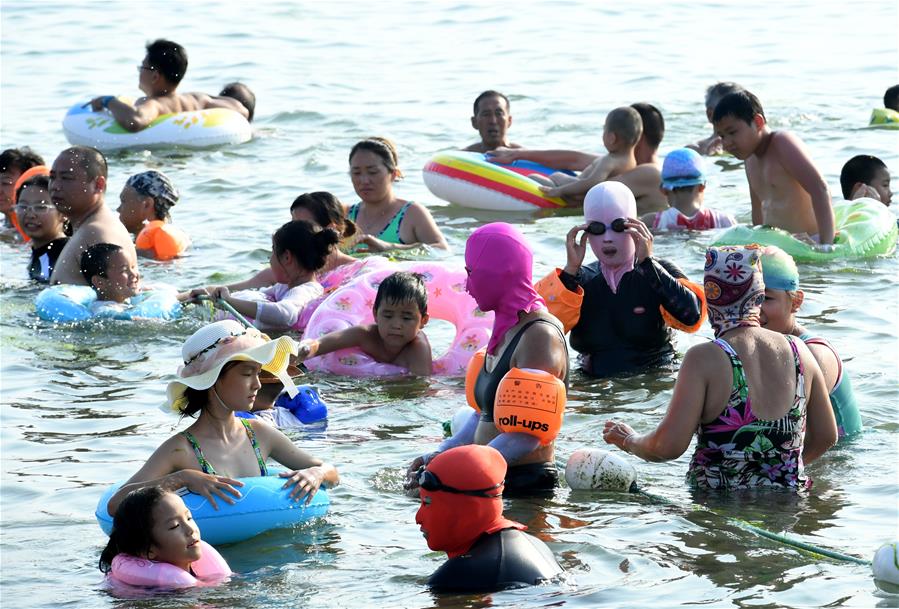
886, 568
459, 418
592, 468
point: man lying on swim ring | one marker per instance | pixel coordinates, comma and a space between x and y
160, 73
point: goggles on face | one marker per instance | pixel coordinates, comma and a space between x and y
599, 228
430, 482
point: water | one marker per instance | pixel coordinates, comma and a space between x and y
79, 404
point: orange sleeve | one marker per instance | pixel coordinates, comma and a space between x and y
561, 302
165, 242
703, 310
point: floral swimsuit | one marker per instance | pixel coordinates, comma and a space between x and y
739, 450
206, 466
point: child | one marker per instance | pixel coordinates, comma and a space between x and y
712, 144
396, 337
144, 210
155, 525
782, 299
866, 176
785, 187
621, 132
299, 250
277, 408
683, 183
160, 74
42, 224
114, 277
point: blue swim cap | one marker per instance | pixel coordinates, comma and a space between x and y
779, 270
683, 167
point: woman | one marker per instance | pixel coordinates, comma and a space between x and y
42, 224
619, 308
220, 376
145, 209
757, 397
386, 223
525, 336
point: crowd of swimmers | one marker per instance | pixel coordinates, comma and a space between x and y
618, 313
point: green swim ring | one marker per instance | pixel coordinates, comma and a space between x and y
865, 228
884, 118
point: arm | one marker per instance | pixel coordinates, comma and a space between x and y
216, 101
677, 299
572, 160
796, 161
755, 202
131, 118
423, 229
673, 435
285, 312
597, 172
307, 473
355, 336
560, 289
262, 279
820, 426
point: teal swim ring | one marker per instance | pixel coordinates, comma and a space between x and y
865, 229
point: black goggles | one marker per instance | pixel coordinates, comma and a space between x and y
430, 482
598, 228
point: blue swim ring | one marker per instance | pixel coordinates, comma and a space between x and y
72, 303
263, 506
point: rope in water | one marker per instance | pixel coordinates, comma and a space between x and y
778, 537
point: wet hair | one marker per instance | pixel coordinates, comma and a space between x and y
891, 98
95, 260
860, 168
327, 210
308, 244
718, 90
403, 287
490, 93
90, 159
38, 181
168, 58
382, 147
741, 105
653, 123
243, 94
132, 526
625, 122
19, 159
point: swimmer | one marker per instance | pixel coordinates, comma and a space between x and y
712, 145
783, 298
160, 73
154, 524
146, 202
786, 190
400, 311
13, 163
891, 98
622, 131
42, 224
492, 118
866, 176
461, 513
114, 277
683, 183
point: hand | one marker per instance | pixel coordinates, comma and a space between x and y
575, 249
711, 146
305, 482
219, 292
550, 191
308, 348
210, 486
414, 470
503, 155
642, 238
372, 244
617, 433
863, 190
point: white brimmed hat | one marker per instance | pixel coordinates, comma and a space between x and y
208, 349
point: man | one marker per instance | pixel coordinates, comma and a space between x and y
77, 189
492, 120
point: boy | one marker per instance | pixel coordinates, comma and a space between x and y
683, 183
492, 120
866, 176
782, 299
785, 187
396, 337
621, 132
712, 144
113, 275
160, 74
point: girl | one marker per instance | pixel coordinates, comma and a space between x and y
146, 201
42, 224
386, 222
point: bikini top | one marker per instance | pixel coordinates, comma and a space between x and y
391, 232
206, 466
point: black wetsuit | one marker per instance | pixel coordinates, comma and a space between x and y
531, 477
625, 332
501, 560
43, 259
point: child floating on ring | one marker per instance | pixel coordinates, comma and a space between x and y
154, 525
146, 201
396, 337
114, 277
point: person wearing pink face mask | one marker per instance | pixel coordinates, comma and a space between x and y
619, 308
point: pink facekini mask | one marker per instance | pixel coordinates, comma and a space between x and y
499, 264
615, 251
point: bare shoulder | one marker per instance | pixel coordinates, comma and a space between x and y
706, 356
477, 147
418, 210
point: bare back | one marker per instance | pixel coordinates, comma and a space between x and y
189, 102
103, 226
644, 180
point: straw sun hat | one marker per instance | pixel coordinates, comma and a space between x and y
208, 349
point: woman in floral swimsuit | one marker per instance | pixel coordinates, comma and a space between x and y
756, 399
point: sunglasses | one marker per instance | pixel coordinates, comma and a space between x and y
598, 228
430, 482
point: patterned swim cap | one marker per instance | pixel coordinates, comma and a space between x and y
154, 184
